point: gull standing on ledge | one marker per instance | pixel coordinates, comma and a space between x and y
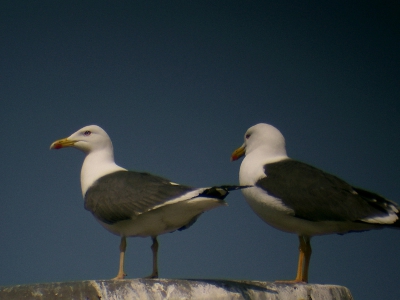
130, 203
298, 198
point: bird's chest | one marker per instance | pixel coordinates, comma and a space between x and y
250, 171
267, 205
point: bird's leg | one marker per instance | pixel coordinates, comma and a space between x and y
304, 259
300, 262
154, 249
303, 263
307, 256
122, 247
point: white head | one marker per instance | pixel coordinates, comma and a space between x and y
97, 146
263, 138
87, 139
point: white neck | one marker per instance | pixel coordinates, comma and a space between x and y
252, 167
97, 164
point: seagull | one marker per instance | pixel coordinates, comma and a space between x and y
135, 204
298, 198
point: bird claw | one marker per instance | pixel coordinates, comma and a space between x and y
153, 275
119, 276
294, 281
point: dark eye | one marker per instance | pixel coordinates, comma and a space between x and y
87, 133
248, 135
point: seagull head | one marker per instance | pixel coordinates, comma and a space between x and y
87, 139
263, 138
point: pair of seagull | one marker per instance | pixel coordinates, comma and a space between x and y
287, 194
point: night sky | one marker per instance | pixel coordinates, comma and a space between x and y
176, 84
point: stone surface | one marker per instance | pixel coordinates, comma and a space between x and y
154, 289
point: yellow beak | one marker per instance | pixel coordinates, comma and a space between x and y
238, 153
62, 143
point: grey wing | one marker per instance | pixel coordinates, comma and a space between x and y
119, 196
316, 195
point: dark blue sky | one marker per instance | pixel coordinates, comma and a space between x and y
176, 84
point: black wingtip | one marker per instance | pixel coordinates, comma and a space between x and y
220, 192
234, 187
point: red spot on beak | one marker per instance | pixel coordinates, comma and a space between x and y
234, 157
57, 146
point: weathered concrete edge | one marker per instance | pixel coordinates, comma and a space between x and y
155, 289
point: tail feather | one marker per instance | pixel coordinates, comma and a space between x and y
397, 223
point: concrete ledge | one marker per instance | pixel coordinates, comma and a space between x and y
153, 289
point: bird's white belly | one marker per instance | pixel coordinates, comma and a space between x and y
163, 219
276, 214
